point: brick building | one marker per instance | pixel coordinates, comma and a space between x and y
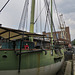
65, 35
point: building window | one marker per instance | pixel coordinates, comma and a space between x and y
47, 35
62, 35
57, 35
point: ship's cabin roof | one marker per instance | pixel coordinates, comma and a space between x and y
14, 34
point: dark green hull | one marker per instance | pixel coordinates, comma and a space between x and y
9, 62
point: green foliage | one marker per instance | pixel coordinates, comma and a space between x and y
73, 42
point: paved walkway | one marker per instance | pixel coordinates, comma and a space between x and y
68, 68
73, 64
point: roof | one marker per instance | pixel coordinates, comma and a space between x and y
13, 34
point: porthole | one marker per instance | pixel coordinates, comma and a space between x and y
4, 56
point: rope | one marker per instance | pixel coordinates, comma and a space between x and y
36, 16
4, 5
57, 12
46, 23
40, 18
49, 16
24, 15
27, 20
39, 15
47, 9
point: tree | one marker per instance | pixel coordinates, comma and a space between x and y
73, 42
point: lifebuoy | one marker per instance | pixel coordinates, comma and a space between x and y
26, 47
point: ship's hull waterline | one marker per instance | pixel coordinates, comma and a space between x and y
46, 70
31, 64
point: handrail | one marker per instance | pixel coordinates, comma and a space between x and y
32, 51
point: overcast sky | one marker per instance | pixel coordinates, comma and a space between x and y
67, 8
10, 16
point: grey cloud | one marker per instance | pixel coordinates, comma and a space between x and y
10, 16
67, 6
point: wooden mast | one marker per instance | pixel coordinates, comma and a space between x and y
51, 29
32, 19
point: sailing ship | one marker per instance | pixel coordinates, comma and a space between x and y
23, 53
